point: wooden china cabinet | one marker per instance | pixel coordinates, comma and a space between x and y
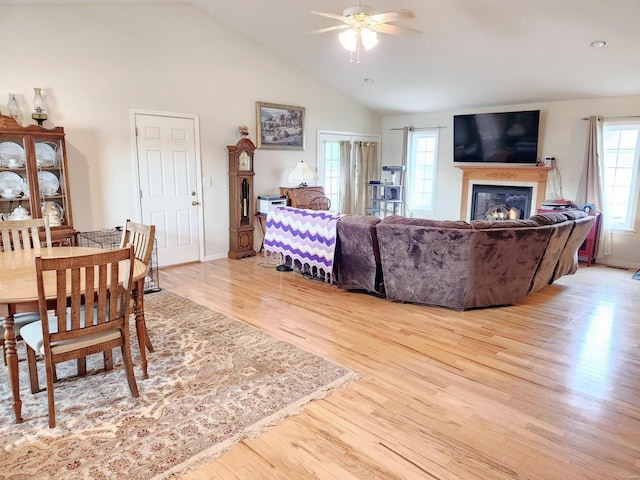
34, 180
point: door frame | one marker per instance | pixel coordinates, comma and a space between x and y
336, 135
136, 164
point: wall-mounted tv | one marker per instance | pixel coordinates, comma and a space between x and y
505, 137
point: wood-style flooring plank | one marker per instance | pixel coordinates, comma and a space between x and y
547, 389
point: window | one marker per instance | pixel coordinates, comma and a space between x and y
421, 171
621, 153
330, 178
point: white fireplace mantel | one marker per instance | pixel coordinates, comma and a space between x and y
516, 175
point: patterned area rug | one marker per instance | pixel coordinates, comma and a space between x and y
212, 382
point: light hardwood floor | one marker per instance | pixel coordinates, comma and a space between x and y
548, 389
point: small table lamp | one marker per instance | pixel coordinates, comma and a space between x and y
301, 175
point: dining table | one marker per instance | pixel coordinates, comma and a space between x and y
19, 293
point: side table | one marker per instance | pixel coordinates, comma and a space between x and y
262, 223
590, 244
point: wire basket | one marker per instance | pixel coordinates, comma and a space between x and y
110, 240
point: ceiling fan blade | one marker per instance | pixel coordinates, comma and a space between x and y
328, 29
329, 15
392, 16
395, 29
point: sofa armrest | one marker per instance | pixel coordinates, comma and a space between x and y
568, 261
544, 273
357, 254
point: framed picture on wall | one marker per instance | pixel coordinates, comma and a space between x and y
279, 127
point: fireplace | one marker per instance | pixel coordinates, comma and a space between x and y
500, 202
532, 177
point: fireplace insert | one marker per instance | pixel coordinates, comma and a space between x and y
500, 202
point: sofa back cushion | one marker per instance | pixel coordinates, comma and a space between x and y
424, 222
503, 263
548, 218
424, 264
486, 224
575, 214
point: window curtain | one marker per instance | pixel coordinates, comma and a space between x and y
591, 189
346, 168
404, 161
367, 169
356, 171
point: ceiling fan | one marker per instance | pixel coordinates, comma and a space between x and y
361, 25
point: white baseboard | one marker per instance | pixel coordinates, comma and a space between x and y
615, 263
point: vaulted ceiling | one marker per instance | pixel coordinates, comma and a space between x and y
470, 53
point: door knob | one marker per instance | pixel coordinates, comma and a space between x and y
193, 194
194, 203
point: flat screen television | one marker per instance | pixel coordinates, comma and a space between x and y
505, 137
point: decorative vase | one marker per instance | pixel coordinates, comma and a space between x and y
14, 108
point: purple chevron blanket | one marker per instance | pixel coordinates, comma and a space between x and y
306, 239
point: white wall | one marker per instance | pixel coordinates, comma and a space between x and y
563, 135
95, 63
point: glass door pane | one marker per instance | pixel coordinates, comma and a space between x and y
51, 179
14, 185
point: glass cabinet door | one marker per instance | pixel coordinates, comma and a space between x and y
14, 179
50, 180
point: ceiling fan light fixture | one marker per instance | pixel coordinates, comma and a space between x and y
349, 39
369, 38
361, 25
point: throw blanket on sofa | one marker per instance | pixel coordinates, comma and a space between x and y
306, 238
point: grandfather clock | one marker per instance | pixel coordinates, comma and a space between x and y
241, 206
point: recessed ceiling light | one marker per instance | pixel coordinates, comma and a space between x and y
598, 44
368, 80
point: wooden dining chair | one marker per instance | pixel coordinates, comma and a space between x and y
95, 286
22, 235
141, 237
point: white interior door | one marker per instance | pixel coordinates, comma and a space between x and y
169, 189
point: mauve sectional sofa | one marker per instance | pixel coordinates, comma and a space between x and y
456, 264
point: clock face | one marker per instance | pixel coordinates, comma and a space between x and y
244, 161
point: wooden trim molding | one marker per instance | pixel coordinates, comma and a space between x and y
502, 175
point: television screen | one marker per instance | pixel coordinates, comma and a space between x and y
507, 137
